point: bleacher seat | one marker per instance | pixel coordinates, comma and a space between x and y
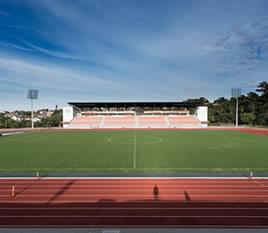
86, 121
182, 121
119, 122
151, 121
131, 121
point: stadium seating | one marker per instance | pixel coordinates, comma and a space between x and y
151, 122
119, 122
183, 121
86, 122
131, 121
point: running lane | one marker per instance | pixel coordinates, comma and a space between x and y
134, 202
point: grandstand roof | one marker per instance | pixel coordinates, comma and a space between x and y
133, 104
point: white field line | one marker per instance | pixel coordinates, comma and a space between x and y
243, 171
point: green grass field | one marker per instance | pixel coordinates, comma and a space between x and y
128, 151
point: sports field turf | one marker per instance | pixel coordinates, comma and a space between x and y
128, 151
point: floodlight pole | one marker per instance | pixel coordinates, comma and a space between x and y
32, 114
32, 94
236, 92
236, 113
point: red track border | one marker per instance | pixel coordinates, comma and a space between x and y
134, 202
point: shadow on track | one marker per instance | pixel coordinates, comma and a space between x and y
156, 192
136, 213
61, 191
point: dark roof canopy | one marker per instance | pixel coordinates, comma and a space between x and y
132, 104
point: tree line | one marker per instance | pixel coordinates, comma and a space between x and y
55, 120
253, 110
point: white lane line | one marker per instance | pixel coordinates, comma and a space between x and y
134, 182
141, 195
146, 186
263, 185
162, 189
97, 200
116, 188
138, 189
40, 185
115, 196
41, 192
144, 182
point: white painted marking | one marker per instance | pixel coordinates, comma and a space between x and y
11, 133
144, 195
135, 190
118, 201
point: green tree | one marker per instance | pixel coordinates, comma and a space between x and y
247, 118
263, 88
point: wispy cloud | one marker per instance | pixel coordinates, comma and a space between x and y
29, 47
47, 75
18, 27
50, 52
134, 49
244, 47
14, 46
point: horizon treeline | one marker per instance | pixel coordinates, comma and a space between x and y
253, 110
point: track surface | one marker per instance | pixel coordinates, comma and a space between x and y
137, 202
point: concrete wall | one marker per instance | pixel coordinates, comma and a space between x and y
202, 115
68, 115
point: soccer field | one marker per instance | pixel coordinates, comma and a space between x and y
134, 151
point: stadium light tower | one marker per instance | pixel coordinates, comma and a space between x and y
236, 92
32, 95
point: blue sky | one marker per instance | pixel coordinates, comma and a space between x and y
88, 50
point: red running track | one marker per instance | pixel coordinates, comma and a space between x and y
134, 202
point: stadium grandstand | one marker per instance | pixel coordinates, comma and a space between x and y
134, 115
